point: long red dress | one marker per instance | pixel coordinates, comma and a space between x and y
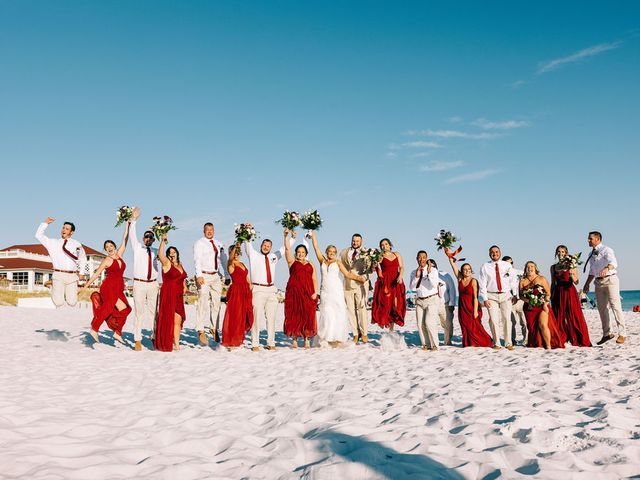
238, 318
389, 296
535, 337
473, 333
104, 303
299, 307
566, 308
171, 302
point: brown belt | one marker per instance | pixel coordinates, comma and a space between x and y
261, 284
64, 271
429, 296
209, 273
145, 281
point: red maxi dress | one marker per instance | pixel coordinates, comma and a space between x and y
104, 303
171, 302
389, 296
473, 333
566, 308
238, 318
299, 307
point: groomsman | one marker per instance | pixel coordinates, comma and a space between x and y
356, 293
517, 311
262, 267
209, 259
497, 287
69, 262
145, 279
603, 267
425, 281
448, 301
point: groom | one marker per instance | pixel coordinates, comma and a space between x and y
69, 261
356, 293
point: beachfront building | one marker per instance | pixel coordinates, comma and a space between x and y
28, 268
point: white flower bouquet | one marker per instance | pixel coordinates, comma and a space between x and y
162, 225
245, 233
123, 214
290, 220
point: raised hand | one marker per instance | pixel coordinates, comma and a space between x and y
136, 213
49, 220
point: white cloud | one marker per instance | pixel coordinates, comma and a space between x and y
391, 155
420, 155
551, 65
454, 119
439, 166
421, 144
518, 83
458, 134
506, 125
472, 177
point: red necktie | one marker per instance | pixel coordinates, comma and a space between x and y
64, 249
149, 264
498, 280
353, 255
419, 280
215, 249
268, 267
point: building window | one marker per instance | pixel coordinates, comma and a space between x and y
3, 274
39, 279
21, 278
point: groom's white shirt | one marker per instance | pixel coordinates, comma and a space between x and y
257, 265
60, 259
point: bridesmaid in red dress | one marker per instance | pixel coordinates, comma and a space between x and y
110, 304
469, 311
238, 318
301, 296
389, 294
171, 313
566, 302
542, 325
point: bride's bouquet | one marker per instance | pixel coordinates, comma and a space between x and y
290, 220
245, 233
371, 256
535, 295
311, 221
123, 214
445, 240
569, 262
162, 225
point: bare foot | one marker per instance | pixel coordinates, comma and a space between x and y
94, 335
294, 343
307, 344
118, 337
176, 346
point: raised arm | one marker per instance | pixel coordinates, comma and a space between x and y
97, 273
166, 263
40, 236
287, 248
135, 243
454, 267
316, 248
125, 237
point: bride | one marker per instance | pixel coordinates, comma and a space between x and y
333, 322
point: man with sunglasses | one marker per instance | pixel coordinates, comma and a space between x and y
145, 280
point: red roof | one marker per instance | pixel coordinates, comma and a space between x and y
40, 249
23, 263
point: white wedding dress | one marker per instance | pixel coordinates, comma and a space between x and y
333, 321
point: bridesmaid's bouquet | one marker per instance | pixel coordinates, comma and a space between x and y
535, 295
245, 233
445, 240
371, 256
162, 225
311, 221
569, 262
290, 220
123, 214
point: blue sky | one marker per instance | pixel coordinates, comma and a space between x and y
506, 123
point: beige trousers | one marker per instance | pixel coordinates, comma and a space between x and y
145, 302
64, 289
500, 314
265, 305
427, 312
446, 321
208, 308
608, 296
357, 309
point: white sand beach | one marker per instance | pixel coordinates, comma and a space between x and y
70, 409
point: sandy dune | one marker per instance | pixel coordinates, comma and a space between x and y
73, 410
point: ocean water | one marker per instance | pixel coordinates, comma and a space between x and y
629, 298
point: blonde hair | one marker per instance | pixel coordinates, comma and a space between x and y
531, 262
329, 247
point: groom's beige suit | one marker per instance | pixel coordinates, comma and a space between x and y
356, 293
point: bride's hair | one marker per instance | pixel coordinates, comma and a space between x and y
326, 250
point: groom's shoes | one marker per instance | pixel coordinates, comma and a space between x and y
355, 339
215, 335
365, 339
620, 339
138, 346
270, 347
203, 338
606, 338
509, 347
255, 349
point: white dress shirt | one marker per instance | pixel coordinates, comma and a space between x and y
602, 256
257, 265
448, 292
429, 284
60, 259
487, 279
204, 257
141, 257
